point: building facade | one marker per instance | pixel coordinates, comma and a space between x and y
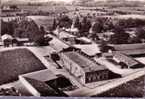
85, 70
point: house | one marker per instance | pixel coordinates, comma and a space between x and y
7, 39
84, 69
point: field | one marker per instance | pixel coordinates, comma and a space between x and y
133, 88
50, 9
16, 62
46, 21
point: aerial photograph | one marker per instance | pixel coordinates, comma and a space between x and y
72, 48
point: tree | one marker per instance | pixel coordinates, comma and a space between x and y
64, 21
120, 37
103, 46
77, 23
54, 24
97, 27
140, 34
85, 27
13, 7
7, 27
43, 41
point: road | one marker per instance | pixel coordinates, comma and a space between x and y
100, 89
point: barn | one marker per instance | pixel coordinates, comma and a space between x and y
126, 61
84, 69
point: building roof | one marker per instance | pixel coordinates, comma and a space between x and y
43, 75
121, 47
85, 39
130, 62
57, 44
86, 64
133, 52
64, 34
6, 36
89, 49
127, 52
41, 87
23, 39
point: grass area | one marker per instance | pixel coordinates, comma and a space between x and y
16, 62
134, 88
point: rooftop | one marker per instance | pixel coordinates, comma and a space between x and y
64, 34
126, 59
133, 52
41, 87
57, 44
89, 49
121, 47
84, 62
43, 75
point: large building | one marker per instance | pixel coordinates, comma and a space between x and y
84, 69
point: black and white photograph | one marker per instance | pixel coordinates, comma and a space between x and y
72, 48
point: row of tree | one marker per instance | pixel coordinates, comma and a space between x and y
90, 28
85, 25
26, 29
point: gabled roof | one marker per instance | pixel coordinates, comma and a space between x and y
42, 75
121, 47
130, 62
41, 87
89, 49
133, 52
86, 64
57, 44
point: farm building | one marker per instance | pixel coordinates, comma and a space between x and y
133, 50
126, 61
122, 47
84, 69
134, 53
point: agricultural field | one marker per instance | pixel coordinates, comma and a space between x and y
16, 62
50, 9
45, 21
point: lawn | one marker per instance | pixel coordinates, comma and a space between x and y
16, 62
134, 88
